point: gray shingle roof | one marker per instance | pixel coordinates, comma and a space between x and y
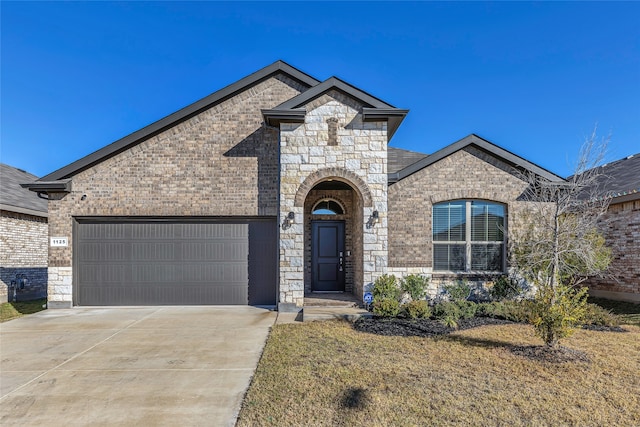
621, 178
15, 198
399, 159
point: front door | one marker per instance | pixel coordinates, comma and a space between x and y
327, 256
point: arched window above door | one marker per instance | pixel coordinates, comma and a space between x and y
327, 207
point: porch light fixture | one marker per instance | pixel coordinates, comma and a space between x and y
373, 219
288, 220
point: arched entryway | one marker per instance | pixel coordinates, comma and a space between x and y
333, 222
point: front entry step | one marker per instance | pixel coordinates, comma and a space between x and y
351, 314
330, 300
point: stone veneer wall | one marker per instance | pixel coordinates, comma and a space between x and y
467, 174
221, 162
360, 159
622, 234
24, 244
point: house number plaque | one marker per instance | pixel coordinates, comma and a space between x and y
60, 241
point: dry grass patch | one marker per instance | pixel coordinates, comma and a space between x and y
328, 374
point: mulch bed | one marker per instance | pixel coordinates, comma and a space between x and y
433, 328
601, 328
419, 327
557, 354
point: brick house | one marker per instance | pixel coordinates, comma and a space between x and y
23, 238
275, 187
621, 228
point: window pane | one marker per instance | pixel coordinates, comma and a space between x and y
327, 207
449, 257
486, 257
449, 222
487, 222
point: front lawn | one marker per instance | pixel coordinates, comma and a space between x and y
11, 310
329, 374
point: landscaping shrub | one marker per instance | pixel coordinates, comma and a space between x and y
596, 315
518, 311
386, 307
557, 311
415, 285
417, 309
448, 313
467, 309
515, 311
504, 288
386, 287
458, 291
491, 309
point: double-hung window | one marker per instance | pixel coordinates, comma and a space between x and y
468, 235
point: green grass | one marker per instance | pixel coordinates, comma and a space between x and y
328, 374
12, 310
628, 312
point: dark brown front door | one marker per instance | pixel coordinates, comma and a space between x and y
327, 256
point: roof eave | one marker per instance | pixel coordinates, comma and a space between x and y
276, 116
393, 117
625, 198
21, 210
58, 186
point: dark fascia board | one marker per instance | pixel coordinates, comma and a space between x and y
625, 198
179, 116
374, 110
274, 116
40, 186
484, 145
26, 211
393, 117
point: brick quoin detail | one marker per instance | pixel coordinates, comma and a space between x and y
339, 174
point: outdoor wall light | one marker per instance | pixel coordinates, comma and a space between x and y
288, 220
373, 219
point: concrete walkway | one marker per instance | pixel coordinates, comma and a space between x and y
187, 366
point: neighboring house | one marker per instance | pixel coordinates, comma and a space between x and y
272, 188
23, 238
621, 228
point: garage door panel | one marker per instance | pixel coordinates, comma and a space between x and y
174, 263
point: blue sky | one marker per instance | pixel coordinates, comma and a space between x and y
534, 78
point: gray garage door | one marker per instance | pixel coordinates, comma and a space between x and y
174, 262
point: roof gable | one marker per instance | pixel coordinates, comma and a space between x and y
180, 116
482, 144
14, 198
374, 110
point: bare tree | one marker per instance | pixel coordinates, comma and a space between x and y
557, 244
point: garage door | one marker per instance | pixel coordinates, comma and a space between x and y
174, 262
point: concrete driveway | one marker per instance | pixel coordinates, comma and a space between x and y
129, 366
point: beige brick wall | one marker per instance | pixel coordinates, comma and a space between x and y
220, 162
466, 174
23, 254
622, 233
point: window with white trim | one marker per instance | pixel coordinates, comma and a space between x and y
468, 235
